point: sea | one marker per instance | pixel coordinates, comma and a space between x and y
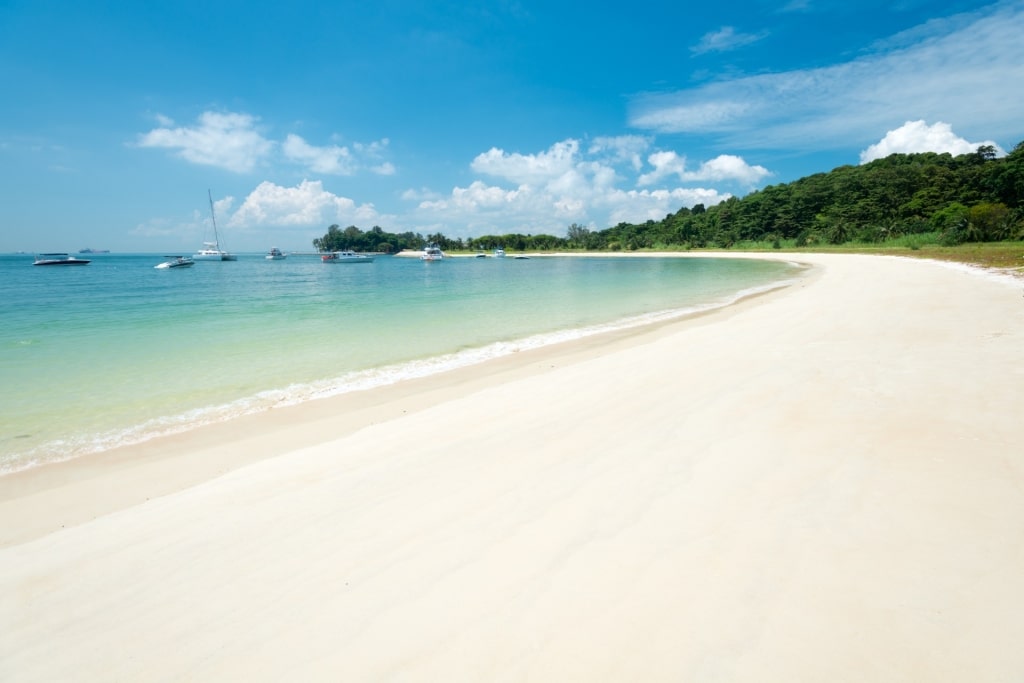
118, 352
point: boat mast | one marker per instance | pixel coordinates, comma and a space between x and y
213, 217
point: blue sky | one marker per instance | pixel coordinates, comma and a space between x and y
467, 119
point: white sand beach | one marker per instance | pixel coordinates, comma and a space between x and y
823, 483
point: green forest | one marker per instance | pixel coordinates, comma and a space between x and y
908, 199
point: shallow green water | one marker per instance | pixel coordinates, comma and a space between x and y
116, 352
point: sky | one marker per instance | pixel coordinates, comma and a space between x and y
117, 118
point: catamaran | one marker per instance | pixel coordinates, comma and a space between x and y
211, 251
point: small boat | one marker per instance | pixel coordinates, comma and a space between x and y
520, 257
276, 254
59, 260
345, 257
211, 251
432, 252
499, 253
175, 262
481, 254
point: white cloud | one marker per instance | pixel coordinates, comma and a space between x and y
234, 142
372, 155
638, 206
333, 159
229, 141
628, 148
423, 194
529, 168
563, 185
729, 167
725, 167
665, 164
918, 136
950, 70
305, 205
725, 39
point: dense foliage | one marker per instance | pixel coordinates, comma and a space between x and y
968, 198
374, 239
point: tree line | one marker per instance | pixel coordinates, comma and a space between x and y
946, 199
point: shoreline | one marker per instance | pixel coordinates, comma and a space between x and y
823, 482
150, 406
211, 450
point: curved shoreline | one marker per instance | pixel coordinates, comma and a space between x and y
167, 463
820, 483
59, 429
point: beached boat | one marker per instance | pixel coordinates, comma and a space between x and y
211, 251
276, 254
175, 262
345, 257
432, 252
59, 260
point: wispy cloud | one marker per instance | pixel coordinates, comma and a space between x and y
331, 159
940, 71
236, 142
724, 40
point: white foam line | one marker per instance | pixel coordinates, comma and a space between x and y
362, 380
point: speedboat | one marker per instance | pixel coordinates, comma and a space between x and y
175, 262
59, 260
499, 253
275, 254
345, 257
432, 252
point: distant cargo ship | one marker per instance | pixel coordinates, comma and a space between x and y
93, 251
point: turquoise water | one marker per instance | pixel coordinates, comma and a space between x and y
117, 352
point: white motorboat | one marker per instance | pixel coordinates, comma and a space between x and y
345, 257
59, 260
175, 262
276, 254
499, 253
432, 252
211, 251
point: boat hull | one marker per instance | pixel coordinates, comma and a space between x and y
182, 262
346, 257
59, 259
69, 262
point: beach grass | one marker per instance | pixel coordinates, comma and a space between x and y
1008, 255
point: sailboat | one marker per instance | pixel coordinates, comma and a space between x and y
211, 251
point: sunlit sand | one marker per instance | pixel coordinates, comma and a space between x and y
823, 483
